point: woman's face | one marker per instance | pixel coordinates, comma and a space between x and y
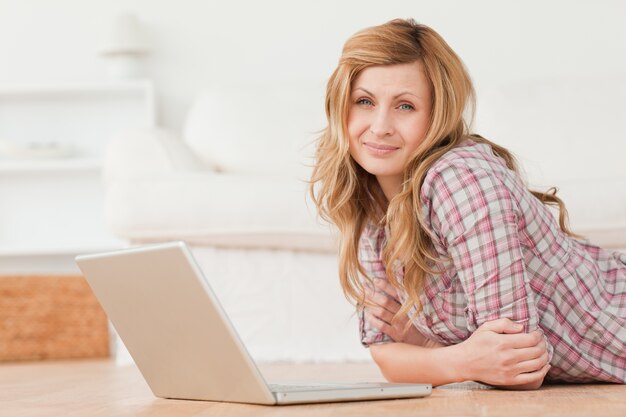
388, 118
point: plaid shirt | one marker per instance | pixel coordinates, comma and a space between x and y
510, 259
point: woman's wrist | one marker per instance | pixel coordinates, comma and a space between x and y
454, 357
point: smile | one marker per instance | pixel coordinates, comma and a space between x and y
379, 150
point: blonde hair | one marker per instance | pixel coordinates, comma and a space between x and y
348, 196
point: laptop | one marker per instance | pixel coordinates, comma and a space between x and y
182, 341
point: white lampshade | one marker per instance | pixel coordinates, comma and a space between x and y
124, 37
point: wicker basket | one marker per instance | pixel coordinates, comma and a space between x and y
50, 317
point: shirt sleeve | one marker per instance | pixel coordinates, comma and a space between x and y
477, 218
369, 258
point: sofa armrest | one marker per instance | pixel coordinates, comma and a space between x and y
148, 153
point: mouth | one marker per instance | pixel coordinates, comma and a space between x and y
379, 149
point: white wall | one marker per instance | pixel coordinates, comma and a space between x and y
200, 43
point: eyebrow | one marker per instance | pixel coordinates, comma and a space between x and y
394, 97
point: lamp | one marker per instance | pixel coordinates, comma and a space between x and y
124, 47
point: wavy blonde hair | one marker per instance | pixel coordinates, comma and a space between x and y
348, 196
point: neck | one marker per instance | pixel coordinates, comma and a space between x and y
391, 186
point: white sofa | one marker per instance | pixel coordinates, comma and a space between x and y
233, 185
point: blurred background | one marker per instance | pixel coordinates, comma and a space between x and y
197, 44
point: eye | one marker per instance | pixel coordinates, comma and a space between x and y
406, 106
364, 102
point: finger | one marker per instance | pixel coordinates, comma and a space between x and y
379, 325
377, 298
530, 353
369, 296
384, 300
519, 340
374, 297
381, 314
502, 325
525, 340
533, 364
384, 319
389, 289
530, 377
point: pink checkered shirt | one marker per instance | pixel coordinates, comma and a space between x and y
511, 259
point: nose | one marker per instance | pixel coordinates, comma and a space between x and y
381, 124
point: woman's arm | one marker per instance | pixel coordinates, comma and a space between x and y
401, 362
496, 354
397, 366
480, 220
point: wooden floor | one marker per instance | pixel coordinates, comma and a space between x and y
100, 388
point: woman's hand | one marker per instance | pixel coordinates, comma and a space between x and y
497, 353
381, 316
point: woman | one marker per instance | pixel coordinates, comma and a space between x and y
458, 270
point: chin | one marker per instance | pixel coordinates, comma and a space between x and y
378, 167
381, 172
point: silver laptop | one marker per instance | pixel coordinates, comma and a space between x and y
181, 339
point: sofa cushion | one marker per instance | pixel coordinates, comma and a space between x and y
260, 128
567, 133
218, 209
146, 153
